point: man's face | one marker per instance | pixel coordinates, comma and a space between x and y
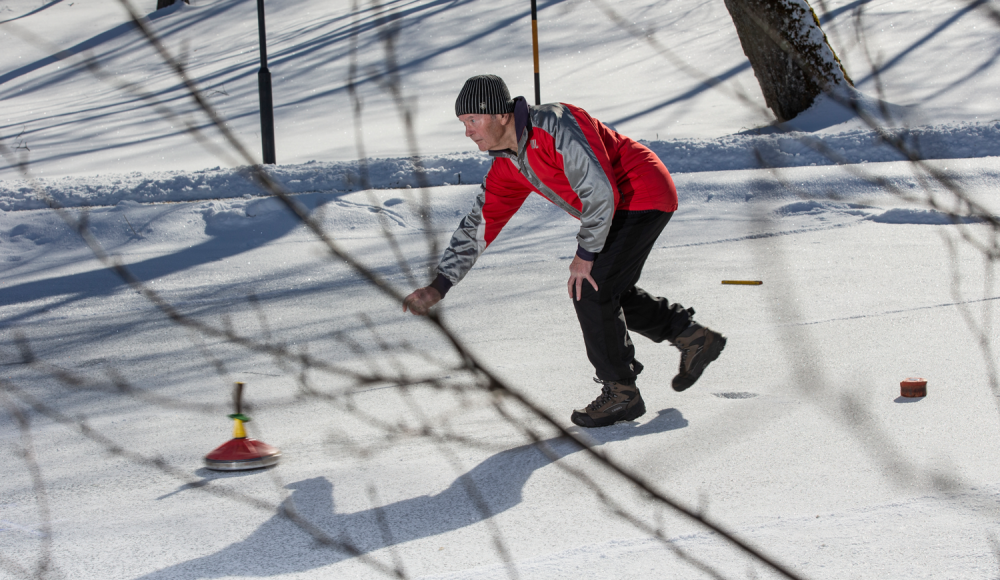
486, 130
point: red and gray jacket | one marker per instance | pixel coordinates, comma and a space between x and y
574, 161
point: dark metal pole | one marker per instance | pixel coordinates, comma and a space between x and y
264, 88
534, 44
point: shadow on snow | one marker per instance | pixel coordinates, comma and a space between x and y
280, 547
103, 282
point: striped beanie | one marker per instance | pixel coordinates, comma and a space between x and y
484, 95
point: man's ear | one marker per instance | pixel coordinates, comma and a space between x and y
506, 118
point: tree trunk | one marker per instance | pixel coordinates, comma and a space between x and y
790, 55
165, 3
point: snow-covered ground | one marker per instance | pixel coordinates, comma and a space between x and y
796, 439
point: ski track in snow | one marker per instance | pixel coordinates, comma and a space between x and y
891, 312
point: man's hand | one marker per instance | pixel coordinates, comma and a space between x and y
579, 270
421, 300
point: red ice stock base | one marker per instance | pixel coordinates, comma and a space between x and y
241, 452
913, 387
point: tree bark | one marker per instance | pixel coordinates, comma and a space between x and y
790, 54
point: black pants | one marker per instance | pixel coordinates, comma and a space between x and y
606, 316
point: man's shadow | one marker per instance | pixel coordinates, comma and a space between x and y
279, 546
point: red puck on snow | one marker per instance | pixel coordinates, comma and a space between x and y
242, 453
913, 387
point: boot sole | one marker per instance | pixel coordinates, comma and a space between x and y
632, 413
712, 352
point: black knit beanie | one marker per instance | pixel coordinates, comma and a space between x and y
484, 95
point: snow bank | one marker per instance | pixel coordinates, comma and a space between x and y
220, 183
797, 149
736, 152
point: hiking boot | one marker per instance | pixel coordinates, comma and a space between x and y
617, 402
699, 346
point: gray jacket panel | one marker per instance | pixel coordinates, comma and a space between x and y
583, 171
467, 243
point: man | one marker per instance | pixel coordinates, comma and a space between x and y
622, 195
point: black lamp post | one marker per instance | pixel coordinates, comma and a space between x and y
264, 88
